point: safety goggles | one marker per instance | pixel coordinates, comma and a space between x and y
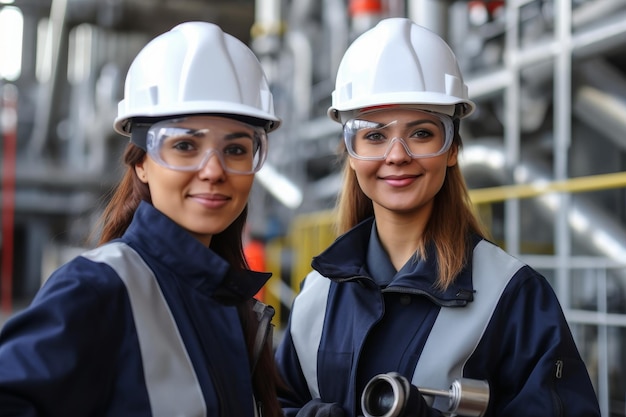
423, 136
187, 144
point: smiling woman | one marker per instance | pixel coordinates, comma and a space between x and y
164, 304
413, 289
199, 170
11, 28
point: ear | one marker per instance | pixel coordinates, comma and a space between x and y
141, 172
453, 154
351, 162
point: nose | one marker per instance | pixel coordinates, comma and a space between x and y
397, 152
213, 168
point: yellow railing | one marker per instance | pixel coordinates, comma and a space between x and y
311, 233
571, 185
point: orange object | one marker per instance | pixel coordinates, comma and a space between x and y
365, 6
254, 252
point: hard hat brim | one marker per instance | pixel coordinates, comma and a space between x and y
266, 120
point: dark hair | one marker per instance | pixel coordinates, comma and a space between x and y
118, 215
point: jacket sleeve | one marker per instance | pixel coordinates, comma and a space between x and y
534, 365
56, 356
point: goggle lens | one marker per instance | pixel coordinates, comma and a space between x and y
423, 137
183, 146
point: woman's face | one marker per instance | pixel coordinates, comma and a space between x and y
207, 200
398, 183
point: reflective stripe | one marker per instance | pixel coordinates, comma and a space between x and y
452, 339
167, 367
457, 331
306, 328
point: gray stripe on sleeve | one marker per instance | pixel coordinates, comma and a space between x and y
171, 381
307, 322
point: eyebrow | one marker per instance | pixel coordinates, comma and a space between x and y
197, 133
379, 125
421, 121
237, 135
229, 136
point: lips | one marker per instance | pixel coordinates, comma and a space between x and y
399, 180
210, 200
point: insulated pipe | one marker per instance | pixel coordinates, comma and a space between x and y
335, 21
586, 43
57, 32
601, 101
602, 110
593, 228
432, 14
593, 11
300, 46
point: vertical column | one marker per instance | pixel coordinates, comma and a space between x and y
8, 121
562, 139
512, 129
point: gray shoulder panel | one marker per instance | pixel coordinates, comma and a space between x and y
168, 370
307, 322
457, 331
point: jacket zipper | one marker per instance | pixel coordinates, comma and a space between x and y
558, 374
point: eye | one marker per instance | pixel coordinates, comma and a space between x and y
374, 136
238, 144
236, 149
182, 143
422, 134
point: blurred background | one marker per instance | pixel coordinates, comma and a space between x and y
544, 154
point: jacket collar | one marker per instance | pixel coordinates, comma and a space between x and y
165, 242
347, 260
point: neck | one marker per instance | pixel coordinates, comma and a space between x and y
400, 233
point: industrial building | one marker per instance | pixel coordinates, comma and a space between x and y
544, 154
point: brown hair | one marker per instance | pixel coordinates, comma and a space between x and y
118, 215
450, 238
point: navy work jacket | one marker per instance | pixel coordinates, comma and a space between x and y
348, 325
86, 347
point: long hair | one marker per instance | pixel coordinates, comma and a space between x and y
228, 244
450, 238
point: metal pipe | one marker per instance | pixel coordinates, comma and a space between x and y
432, 14
585, 43
392, 395
57, 32
593, 228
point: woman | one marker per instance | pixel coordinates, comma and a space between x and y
412, 289
159, 320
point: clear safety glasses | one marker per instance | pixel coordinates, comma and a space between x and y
422, 135
187, 144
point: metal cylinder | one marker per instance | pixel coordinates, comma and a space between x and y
469, 397
385, 395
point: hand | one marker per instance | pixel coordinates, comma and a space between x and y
416, 405
316, 408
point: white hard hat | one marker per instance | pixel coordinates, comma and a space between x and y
196, 68
399, 62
